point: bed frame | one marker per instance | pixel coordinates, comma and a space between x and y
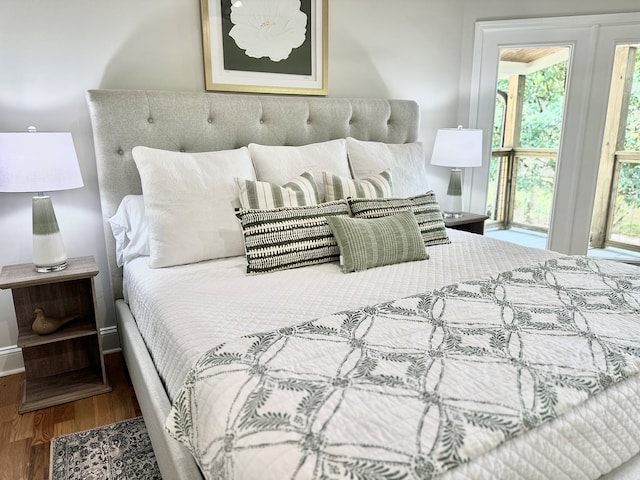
198, 122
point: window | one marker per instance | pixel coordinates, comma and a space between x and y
616, 217
526, 134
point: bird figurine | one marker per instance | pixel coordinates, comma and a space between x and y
44, 325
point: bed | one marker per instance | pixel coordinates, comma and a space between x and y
593, 432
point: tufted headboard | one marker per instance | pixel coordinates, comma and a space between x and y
200, 122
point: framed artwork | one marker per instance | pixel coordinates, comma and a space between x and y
265, 46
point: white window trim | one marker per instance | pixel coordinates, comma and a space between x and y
592, 39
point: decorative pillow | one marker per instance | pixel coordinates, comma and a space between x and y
279, 164
425, 207
406, 160
189, 199
296, 193
367, 243
376, 186
290, 237
130, 229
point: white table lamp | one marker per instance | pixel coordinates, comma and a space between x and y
40, 162
456, 148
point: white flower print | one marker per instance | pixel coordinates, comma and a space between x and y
270, 28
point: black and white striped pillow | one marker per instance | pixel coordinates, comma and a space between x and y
290, 237
425, 207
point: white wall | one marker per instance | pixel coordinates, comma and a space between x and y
51, 53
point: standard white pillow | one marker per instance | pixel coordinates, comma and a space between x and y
279, 164
130, 229
190, 201
405, 160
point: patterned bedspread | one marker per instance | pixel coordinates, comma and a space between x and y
412, 388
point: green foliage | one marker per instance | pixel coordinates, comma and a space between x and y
534, 191
626, 216
632, 132
541, 127
542, 112
543, 107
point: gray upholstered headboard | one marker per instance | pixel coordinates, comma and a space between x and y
200, 122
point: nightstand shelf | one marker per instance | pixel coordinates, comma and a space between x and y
68, 364
468, 222
62, 388
81, 328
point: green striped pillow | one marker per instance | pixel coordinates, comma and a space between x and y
290, 237
296, 193
367, 243
376, 186
425, 207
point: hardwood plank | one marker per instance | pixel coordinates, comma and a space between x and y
12, 469
38, 463
9, 396
64, 428
103, 408
42, 426
22, 427
63, 419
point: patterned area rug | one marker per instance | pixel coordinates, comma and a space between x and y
115, 452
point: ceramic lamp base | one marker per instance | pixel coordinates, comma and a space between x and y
453, 201
48, 249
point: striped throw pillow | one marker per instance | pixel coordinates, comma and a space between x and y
290, 237
372, 242
376, 186
296, 193
425, 207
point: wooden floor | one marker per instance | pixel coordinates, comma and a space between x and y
25, 439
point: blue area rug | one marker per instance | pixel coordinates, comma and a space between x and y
120, 451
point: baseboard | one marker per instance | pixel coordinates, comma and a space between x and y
110, 339
11, 360
11, 357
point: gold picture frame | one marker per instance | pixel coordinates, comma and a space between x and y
247, 51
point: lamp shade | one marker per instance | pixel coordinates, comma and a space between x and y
457, 148
38, 162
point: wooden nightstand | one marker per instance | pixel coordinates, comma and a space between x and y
68, 364
468, 222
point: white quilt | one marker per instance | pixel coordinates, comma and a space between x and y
419, 386
183, 311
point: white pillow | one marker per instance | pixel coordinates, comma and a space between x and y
190, 201
279, 164
406, 160
130, 229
